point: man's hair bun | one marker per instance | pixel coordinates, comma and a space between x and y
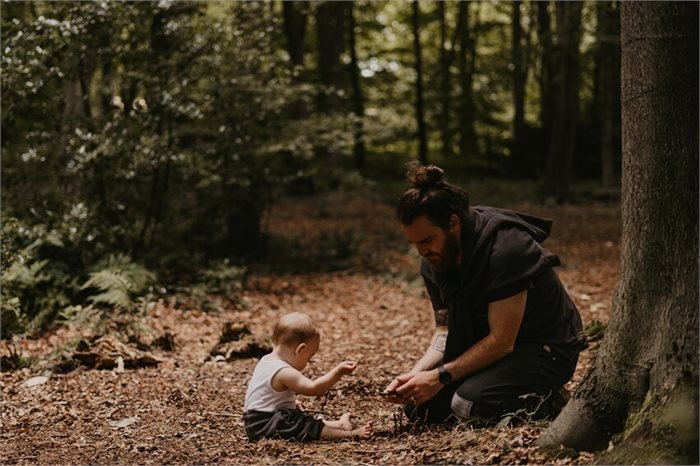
422, 177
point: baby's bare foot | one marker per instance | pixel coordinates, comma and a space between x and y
364, 432
344, 422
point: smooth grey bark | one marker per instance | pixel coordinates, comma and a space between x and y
643, 386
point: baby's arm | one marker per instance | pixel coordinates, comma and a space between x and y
291, 378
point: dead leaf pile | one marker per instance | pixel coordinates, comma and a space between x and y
182, 402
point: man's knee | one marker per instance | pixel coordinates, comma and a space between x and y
462, 407
474, 404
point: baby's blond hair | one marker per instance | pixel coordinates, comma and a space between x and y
294, 328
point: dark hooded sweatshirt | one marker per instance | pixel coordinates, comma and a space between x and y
501, 257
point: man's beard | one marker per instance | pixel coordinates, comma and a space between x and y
447, 258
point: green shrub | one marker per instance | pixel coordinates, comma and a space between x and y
223, 278
37, 277
42, 272
117, 281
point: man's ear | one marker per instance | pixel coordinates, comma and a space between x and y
454, 222
300, 347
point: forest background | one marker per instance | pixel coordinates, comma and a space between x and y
144, 144
176, 175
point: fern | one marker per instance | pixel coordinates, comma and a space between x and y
118, 281
86, 317
114, 289
138, 277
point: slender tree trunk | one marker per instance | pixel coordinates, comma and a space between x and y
608, 87
445, 134
295, 18
357, 99
294, 29
73, 108
467, 134
420, 119
644, 382
561, 148
330, 37
85, 72
544, 33
105, 86
519, 80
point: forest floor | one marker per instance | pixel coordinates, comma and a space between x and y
349, 268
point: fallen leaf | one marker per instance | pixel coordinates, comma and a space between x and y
34, 381
127, 421
120, 365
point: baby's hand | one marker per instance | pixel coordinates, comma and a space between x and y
346, 367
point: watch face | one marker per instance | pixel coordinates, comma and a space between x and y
444, 376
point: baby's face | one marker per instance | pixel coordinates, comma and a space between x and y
304, 353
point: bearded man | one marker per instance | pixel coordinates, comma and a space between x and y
507, 335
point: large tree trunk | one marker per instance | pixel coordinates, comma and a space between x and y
420, 118
563, 135
357, 99
644, 382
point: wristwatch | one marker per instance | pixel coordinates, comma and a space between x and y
443, 376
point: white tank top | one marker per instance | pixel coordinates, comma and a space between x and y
260, 395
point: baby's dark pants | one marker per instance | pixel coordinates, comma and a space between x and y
524, 383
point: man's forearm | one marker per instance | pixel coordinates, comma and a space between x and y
505, 317
484, 353
434, 354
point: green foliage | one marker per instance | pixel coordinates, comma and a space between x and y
164, 131
83, 317
118, 280
223, 278
42, 271
12, 322
214, 285
328, 250
594, 330
150, 114
36, 276
114, 289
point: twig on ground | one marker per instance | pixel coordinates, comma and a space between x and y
222, 414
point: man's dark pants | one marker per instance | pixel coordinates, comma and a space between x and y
524, 383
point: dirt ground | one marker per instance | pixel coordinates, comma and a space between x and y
187, 409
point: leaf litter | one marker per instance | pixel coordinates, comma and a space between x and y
186, 407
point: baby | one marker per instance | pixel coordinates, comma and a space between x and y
270, 407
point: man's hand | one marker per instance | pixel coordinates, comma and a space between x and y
420, 387
394, 396
416, 387
346, 367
